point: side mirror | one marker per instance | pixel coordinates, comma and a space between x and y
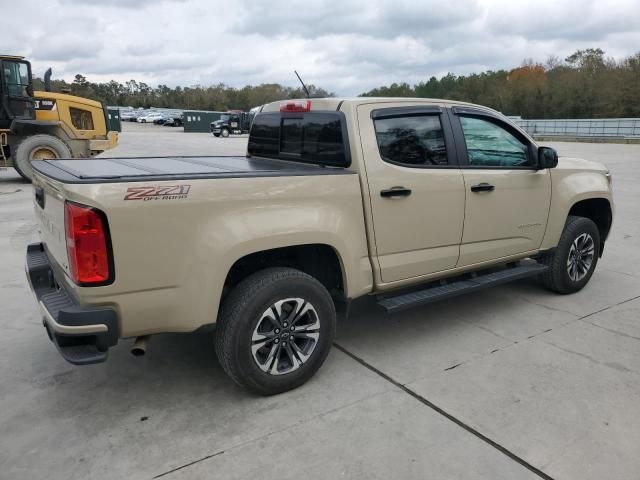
547, 158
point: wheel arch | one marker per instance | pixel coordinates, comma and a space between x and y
598, 210
319, 260
583, 193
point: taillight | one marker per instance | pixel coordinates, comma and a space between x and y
295, 106
87, 245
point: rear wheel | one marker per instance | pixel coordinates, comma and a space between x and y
38, 147
275, 330
573, 262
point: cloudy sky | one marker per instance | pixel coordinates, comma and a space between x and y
346, 46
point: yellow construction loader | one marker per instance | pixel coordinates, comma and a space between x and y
46, 125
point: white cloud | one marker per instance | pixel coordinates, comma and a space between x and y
348, 47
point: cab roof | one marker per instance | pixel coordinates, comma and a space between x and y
338, 102
11, 57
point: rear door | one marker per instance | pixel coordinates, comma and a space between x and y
507, 197
416, 188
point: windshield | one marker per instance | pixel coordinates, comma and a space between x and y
225, 117
16, 78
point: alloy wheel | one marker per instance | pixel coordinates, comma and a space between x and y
581, 255
286, 336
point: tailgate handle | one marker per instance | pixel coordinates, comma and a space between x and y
39, 193
395, 192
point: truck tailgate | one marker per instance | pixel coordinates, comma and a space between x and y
49, 210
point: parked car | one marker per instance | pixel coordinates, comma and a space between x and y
149, 117
175, 121
161, 119
127, 115
407, 200
135, 115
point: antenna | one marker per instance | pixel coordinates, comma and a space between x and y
303, 85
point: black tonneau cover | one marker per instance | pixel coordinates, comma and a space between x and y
142, 169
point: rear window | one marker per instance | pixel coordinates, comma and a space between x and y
314, 137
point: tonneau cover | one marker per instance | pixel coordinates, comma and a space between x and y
103, 170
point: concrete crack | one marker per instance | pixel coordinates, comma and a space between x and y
616, 332
448, 416
607, 308
267, 435
614, 365
189, 464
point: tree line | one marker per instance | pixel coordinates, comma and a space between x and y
218, 97
585, 85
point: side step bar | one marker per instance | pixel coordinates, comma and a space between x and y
465, 284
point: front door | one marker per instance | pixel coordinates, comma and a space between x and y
508, 199
416, 188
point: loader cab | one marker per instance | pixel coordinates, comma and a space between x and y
16, 91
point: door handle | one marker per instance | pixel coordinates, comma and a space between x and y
395, 192
483, 187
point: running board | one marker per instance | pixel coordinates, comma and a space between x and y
459, 287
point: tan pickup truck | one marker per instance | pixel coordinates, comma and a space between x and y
408, 200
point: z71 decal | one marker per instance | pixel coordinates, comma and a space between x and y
171, 192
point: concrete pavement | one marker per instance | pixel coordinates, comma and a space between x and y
511, 383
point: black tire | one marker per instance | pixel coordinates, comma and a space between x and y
224, 133
217, 135
243, 311
30, 146
557, 278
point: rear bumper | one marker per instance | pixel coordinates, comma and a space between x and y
82, 335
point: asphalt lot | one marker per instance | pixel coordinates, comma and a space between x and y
511, 383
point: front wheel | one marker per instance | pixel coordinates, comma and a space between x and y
275, 330
573, 262
38, 147
224, 133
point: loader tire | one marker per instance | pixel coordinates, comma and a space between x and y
38, 147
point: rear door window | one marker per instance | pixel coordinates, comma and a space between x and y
412, 140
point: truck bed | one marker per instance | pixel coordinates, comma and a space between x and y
139, 169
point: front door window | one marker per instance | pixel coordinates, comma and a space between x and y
490, 145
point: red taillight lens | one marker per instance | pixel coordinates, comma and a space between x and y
87, 245
295, 106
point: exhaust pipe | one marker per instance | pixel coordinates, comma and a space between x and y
140, 346
47, 80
